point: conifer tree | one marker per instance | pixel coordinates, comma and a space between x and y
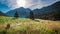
16, 15
31, 15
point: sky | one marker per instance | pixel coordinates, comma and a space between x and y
6, 5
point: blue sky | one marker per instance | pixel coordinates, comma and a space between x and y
6, 5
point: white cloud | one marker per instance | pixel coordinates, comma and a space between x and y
9, 3
29, 3
40, 3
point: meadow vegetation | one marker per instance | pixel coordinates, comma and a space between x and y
28, 26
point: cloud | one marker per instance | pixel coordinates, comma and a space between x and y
29, 3
48, 2
32, 2
9, 3
40, 3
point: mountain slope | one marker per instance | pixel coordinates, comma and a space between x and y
22, 12
47, 11
2, 14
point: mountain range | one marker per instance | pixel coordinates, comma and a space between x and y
22, 12
2, 14
48, 11
38, 13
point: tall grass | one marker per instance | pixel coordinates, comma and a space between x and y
27, 26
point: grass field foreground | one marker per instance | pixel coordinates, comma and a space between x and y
28, 26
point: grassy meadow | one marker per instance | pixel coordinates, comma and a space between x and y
28, 26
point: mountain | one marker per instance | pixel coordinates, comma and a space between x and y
47, 11
2, 14
22, 12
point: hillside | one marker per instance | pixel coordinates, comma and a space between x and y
2, 14
49, 12
22, 12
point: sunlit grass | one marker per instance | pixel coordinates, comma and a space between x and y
28, 26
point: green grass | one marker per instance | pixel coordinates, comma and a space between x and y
28, 26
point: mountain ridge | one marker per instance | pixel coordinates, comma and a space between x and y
38, 13
48, 11
2, 14
23, 12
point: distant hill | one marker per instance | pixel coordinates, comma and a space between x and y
2, 14
22, 12
48, 11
